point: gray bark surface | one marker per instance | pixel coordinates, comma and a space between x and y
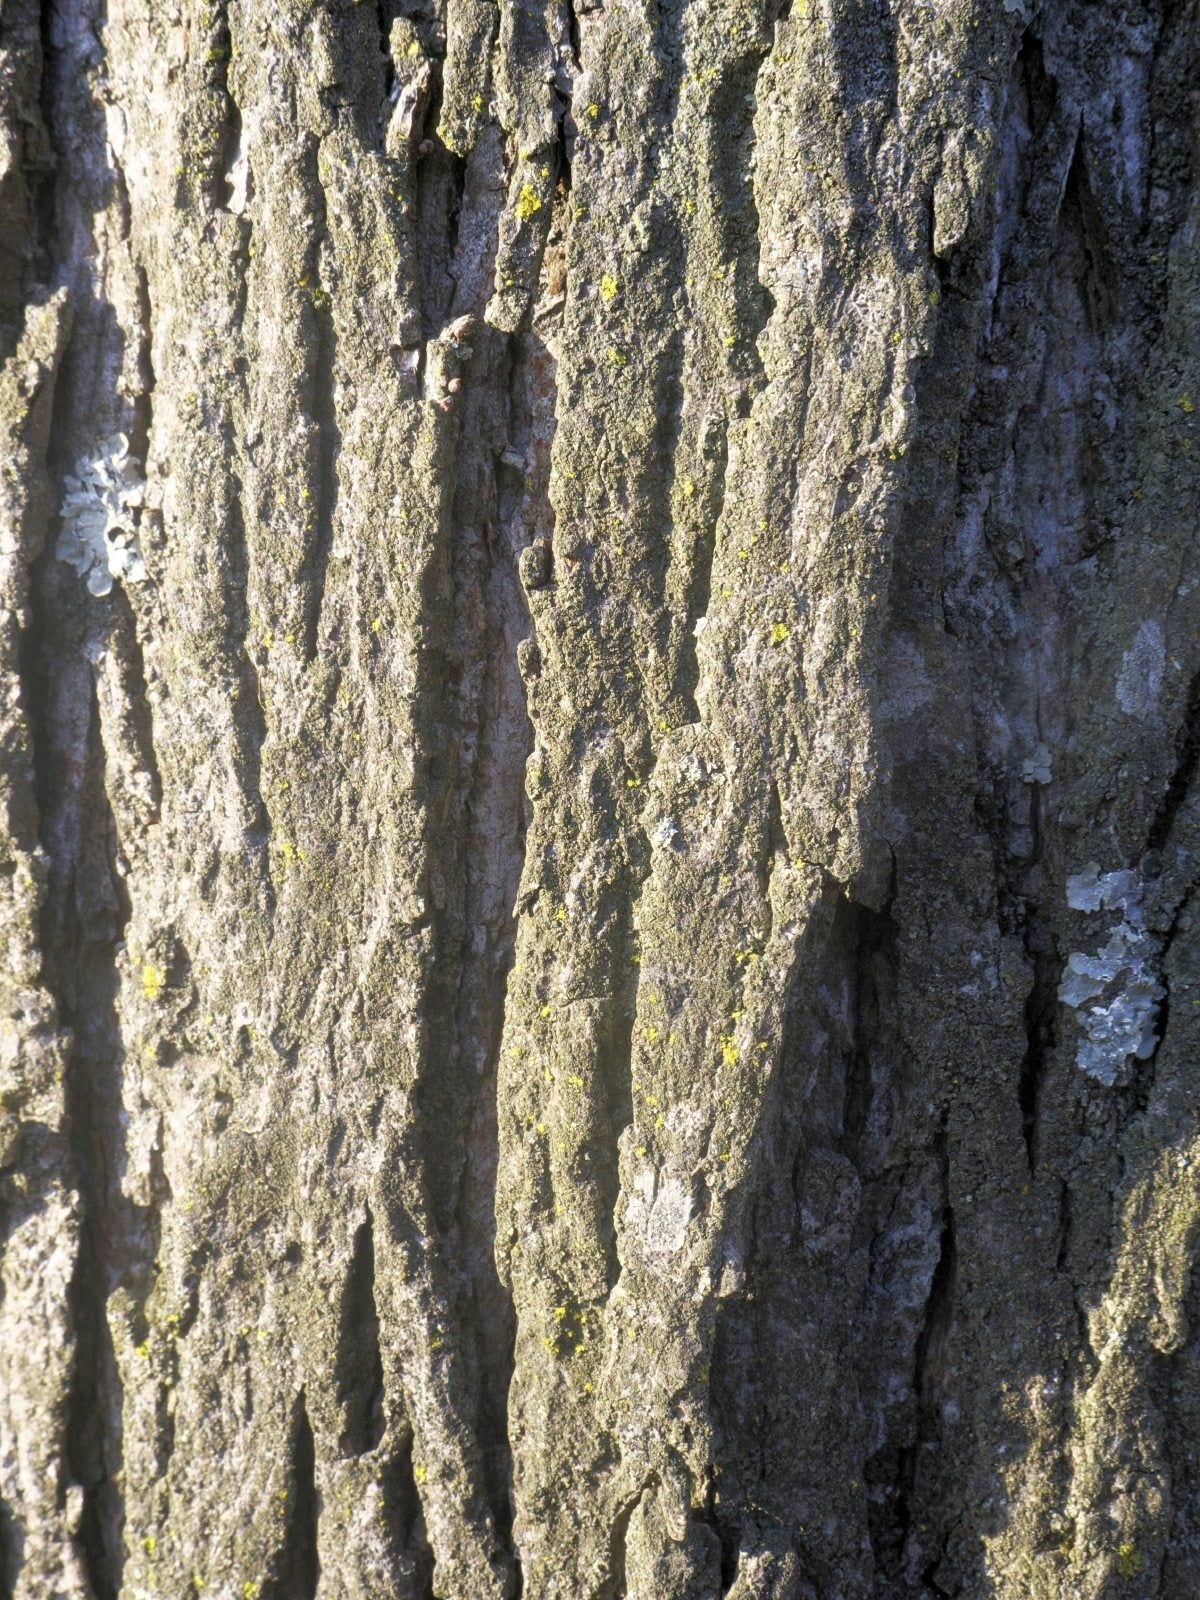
599, 818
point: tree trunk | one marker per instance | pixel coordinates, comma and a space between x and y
600, 713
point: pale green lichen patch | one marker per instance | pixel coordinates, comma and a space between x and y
1115, 990
101, 501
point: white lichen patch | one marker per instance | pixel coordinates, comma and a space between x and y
99, 529
1036, 767
1139, 681
908, 684
238, 176
666, 832
1115, 989
670, 1213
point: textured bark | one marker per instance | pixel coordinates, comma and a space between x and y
600, 697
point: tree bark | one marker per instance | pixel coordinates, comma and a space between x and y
600, 697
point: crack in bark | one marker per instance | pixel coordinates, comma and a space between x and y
359, 1367
927, 1355
1183, 774
298, 1567
114, 1241
322, 378
403, 1514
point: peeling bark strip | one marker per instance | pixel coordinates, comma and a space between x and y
599, 804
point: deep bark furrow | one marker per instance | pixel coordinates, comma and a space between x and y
324, 385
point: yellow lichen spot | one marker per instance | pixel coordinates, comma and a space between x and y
561, 914
477, 103
725, 1155
420, 1474
593, 111
641, 1149
1186, 404
780, 632
414, 49
150, 1544
546, 1011
529, 203
730, 1053
652, 1033
153, 981
616, 359
576, 1080
608, 287
1129, 1561
651, 1099
689, 489
539, 1127
251, 1589
560, 1312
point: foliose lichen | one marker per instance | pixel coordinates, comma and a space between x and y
1115, 990
99, 531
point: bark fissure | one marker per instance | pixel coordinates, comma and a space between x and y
323, 380
116, 1244
298, 1571
360, 1382
1183, 773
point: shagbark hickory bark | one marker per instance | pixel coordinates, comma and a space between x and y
599, 689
